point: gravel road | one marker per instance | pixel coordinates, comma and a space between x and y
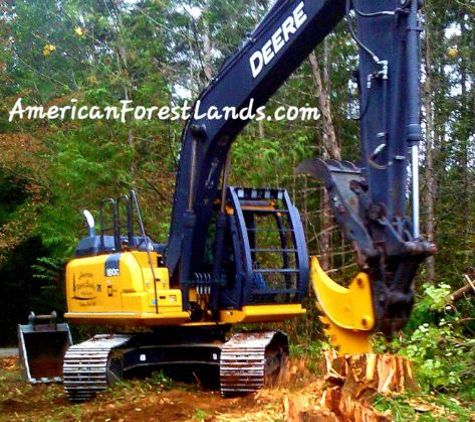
5, 353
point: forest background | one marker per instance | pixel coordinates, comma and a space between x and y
160, 52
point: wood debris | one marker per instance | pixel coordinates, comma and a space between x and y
353, 382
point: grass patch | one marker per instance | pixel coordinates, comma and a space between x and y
200, 415
425, 408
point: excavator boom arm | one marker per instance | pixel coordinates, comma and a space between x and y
369, 201
274, 50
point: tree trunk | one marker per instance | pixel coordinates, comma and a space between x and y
429, 175
207, 50
331, 149
124, 71
465, 136
260, 123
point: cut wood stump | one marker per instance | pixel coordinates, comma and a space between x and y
353, 383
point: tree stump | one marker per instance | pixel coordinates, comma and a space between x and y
354, 381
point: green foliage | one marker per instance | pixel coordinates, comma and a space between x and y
312, 350
440, 354
159, 379
436, 341
438, 408
311, 353
431, 304
200, 415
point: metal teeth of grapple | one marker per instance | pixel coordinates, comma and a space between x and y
329, 330
346, 341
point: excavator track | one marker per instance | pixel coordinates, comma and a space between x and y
248, 361
251, 360
86, 368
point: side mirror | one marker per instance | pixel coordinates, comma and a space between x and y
90, 223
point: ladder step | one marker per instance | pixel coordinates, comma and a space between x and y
276, 271
272, 250
269, 230
266, 210
274, 291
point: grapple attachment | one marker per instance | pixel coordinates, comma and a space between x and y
42, 345
386, 250
347, 312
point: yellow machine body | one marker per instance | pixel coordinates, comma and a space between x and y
122, 289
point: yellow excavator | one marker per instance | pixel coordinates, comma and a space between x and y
238, 255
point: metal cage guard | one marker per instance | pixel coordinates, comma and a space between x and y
270, 246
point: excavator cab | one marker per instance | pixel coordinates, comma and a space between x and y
42, 346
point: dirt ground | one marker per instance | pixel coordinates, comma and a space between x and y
162, 400
157, 399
